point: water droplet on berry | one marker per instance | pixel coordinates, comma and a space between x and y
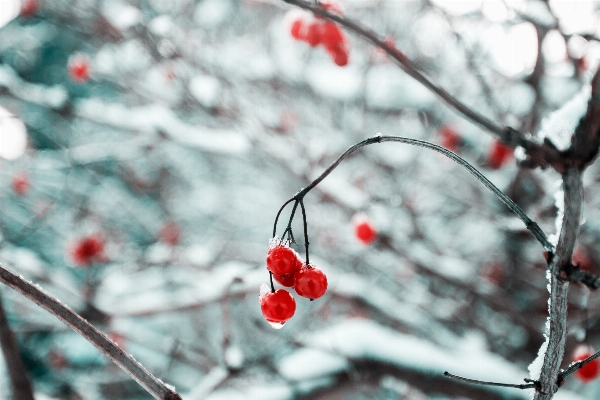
276, 325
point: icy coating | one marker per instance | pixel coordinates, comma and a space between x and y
276, 242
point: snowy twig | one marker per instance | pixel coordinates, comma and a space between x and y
74, 321
16, 369
531, 384
529, 224
539, 153
559, 288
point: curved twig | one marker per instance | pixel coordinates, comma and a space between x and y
127, 363
529, 223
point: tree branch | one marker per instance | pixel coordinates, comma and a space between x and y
540, 154
19, 378
559, 288
529, 224
126, 362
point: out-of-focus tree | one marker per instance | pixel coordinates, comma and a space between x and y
145, 147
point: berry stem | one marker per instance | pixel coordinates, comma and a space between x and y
529, 224
271, 279
279, 213
305, 232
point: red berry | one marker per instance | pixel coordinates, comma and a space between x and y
449, 138
591, 370
333, 6
314, 33
20, 184
285, 280
499, 154
281, 260
277, 307
581, 257
298, 29
170, 233
341, 58
29, 8
310, 282
79, 68
364, 229
88, 250
332, 36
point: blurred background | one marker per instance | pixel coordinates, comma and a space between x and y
146, 146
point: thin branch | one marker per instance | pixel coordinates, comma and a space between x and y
19, 378
530, 385
529, 224
575, 366
540, 153
74, 321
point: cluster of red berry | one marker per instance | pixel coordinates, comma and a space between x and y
288, 269
315, 31
364, 229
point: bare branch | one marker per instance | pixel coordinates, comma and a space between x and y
529, 385
126, 362
19, 378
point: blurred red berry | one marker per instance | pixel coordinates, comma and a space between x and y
310, 282
499, 154
493, 272
79, 68
298, 29
449, 138
581, 257
331, 36
364, 229
29, 8
589, 371
314, 33
117, 338
170, 233
333, 6
88, 250
277, 307
282, 260
20, 183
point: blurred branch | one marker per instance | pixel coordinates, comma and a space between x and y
540, 154
126, 362
17, 372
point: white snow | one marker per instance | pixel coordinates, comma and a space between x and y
307, 363
211, 13
121, 14
156, 117
364, 339
206, 89
48, 96
329, 80
389, 88
559, 126
9, 9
